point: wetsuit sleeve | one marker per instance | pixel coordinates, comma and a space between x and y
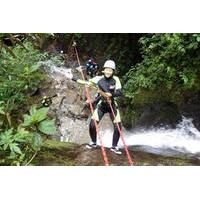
117, 93
118, 88
92, 81
95, 80
79, 81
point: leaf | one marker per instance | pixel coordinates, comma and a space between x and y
47, 127
27, 120
6, 138
21, 135
33, 110
2, 108
34, 67
185, 79
14, 148
198, 39
1, 111
35, 116
37, 140
40, 115
5, 146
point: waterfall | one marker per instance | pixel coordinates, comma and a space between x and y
184, 139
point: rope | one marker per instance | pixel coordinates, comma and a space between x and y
122, 137
92, 111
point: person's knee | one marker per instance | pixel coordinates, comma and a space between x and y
92, 124
117, 126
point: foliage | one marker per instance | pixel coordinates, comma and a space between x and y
122, 48
17, 146
37, 121
169, 69
19, 76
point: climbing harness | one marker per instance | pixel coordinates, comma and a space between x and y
92, 110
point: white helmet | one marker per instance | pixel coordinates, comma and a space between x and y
109, 64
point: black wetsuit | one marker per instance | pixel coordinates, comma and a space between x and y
106, 85
113, 86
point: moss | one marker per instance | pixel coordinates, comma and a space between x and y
149, 159
56, 153
57, 144
129, 112
130, 116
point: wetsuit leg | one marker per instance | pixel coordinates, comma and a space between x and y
116, 133
92, 128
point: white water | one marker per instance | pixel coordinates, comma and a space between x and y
185, 138
60, 71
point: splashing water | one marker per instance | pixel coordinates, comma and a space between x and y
61, 71
184, 139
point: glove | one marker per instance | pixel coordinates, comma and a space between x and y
80, 68
108, 94
69, 74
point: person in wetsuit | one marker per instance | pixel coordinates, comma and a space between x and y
111, 86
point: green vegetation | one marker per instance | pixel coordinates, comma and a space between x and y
57, 153
19, 146
169, 69
20, 75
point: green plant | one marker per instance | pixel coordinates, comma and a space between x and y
19, 147
169, 69
37, 123
19, 76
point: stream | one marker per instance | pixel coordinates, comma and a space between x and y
184, 140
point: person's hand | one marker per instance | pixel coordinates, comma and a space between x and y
69, 75
108, 94
80, 68
88, 101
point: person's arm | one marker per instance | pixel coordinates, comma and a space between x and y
117, 93
90, 82
118, 88
80, 81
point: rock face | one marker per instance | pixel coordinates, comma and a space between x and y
191, 108
166, 114
161, 114
67, 106
192, 111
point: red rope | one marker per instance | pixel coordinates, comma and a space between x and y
122, 137
92, 111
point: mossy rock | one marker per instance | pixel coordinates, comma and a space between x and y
55, 153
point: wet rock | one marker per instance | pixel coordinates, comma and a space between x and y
158, 115
190, 107
67, 106
54, 153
